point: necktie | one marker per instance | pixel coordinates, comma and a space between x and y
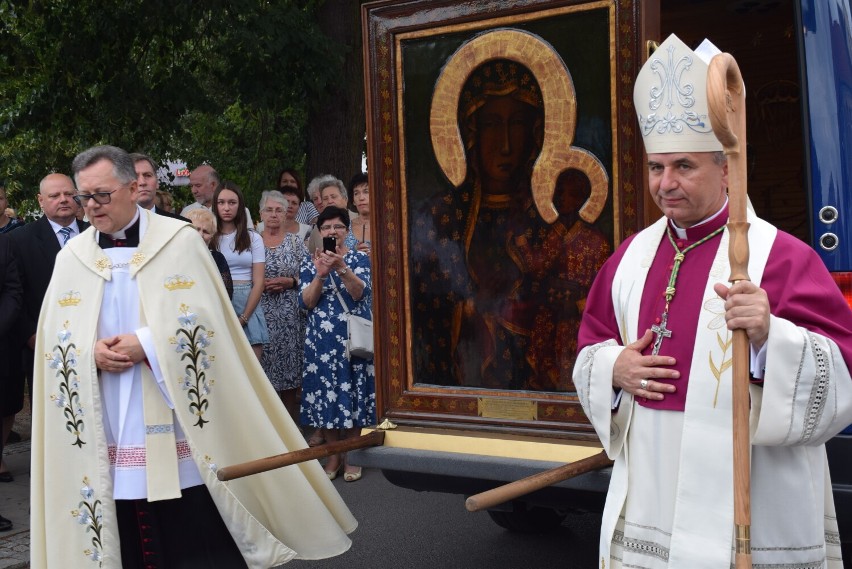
66, 235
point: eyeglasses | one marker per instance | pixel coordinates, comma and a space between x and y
102, 198
336, 227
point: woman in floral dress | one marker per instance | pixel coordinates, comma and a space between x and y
338, 393
282, 357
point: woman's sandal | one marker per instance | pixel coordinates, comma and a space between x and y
332, 474
352, 476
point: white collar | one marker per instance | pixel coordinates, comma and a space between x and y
681, 233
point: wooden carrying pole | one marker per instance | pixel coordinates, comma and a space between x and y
376, 438
530, 484
726, 98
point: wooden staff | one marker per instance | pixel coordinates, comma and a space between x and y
376, 438
530, 484
726, 97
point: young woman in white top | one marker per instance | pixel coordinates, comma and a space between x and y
244, 251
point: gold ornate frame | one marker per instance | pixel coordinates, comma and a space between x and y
388, 25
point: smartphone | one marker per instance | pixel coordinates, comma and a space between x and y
329, 244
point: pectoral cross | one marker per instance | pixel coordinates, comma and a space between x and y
662, 332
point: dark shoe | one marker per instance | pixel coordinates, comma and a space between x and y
13, 438
6, 477
5, 525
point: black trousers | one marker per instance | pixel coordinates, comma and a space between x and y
185, 533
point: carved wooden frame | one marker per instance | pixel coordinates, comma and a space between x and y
386, 26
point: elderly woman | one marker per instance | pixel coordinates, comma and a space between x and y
314, 196
204, 222
338, 392
283, 356
332, 192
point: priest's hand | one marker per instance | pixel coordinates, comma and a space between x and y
118, 353
746, 308
631, 369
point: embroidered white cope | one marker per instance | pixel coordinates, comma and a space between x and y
662, 509
221, 404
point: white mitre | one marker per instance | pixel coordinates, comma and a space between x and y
670, 97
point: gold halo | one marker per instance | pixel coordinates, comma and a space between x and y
560, 116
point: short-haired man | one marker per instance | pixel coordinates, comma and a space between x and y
150, 384
654, 370
331, 191
36, 245
148, 184
203, 182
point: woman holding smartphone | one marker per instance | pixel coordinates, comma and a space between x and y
338, 392
246, 256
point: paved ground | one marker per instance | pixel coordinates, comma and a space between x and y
15, 500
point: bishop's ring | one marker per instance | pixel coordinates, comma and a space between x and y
644, 384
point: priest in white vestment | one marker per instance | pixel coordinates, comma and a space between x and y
146, 386
654, 368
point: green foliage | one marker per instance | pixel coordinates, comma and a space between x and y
230, 83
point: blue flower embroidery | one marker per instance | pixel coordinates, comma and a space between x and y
190, 341
90, 514
64, 360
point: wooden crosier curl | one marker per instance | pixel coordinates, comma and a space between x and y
726, 98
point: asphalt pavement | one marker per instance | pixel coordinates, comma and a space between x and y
397, 528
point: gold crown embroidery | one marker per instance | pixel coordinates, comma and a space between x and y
176, 282
70, 298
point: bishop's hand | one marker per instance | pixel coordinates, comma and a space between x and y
746, 308
635, 373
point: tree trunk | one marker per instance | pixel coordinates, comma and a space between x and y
336, 129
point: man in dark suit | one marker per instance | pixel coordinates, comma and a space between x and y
147, 183
35, 246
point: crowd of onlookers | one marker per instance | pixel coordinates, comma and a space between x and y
290, 283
